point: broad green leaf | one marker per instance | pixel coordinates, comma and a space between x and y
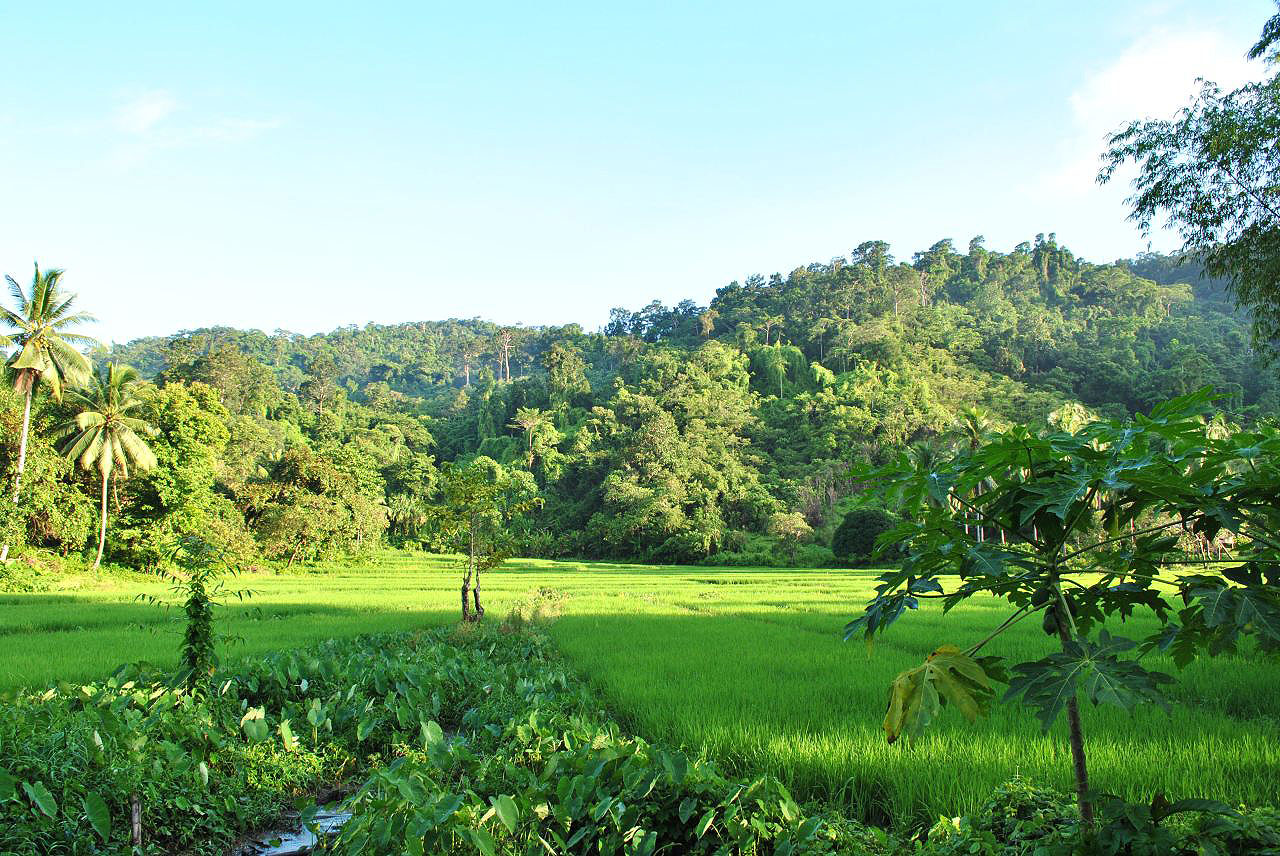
917, 695
95, 809
507, 812
432, 733
705, 824
254, 724
1047, 684
41, 798
483, 841
8, 786
287, 737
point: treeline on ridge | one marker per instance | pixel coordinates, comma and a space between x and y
720, 433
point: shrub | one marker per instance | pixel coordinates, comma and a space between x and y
855, 539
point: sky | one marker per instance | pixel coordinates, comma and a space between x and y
305, 166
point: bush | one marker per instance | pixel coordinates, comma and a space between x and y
21, 576
855, 539
1023, 819
475, 739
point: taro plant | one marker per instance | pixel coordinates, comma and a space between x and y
197, 573
1089, 524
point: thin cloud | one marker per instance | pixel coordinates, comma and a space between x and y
144, 112
157, 121
1154, 77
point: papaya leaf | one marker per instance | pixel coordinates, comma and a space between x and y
917, 695
1047, 684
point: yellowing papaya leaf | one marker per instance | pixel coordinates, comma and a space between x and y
917, 695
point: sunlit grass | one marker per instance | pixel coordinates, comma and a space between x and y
744, 666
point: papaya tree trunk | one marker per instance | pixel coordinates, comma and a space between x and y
102, 528
1075, 733
22, 458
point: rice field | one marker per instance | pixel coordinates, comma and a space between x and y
743, 666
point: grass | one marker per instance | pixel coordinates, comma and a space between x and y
744, 666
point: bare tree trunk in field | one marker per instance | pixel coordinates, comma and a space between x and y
22, 458
475, 596
102, 529
466, 589
466, 580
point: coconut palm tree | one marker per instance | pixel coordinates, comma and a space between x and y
104, 435
46, 354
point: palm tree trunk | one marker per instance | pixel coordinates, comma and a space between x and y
22, 459
102, 530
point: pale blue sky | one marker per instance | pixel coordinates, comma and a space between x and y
309, 165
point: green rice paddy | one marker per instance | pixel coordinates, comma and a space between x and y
745, 666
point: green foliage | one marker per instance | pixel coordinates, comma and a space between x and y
854, 540
1085, 522
477, 504
1021, 819
198, 584
479, 738
678, 433
1209, 173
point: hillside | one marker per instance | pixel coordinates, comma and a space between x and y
687, 432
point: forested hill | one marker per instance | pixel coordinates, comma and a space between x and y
680, 432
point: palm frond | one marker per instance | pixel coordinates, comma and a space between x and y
72, 320
17, 293
13, 319
136, 448
91, 452
106, 454
76, 446
79, 339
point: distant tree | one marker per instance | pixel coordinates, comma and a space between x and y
529, 420
707, 322
854, 540
505, 343
1071, 417
1211, 173
41, 319
106, 434
406, 514
566, 375
477, 503
789, 527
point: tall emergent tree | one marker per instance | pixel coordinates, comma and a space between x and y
41, 321
529, 420
1080, 566
1212, 171
105, 434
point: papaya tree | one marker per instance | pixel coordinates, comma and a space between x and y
1093, 521
477, 503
